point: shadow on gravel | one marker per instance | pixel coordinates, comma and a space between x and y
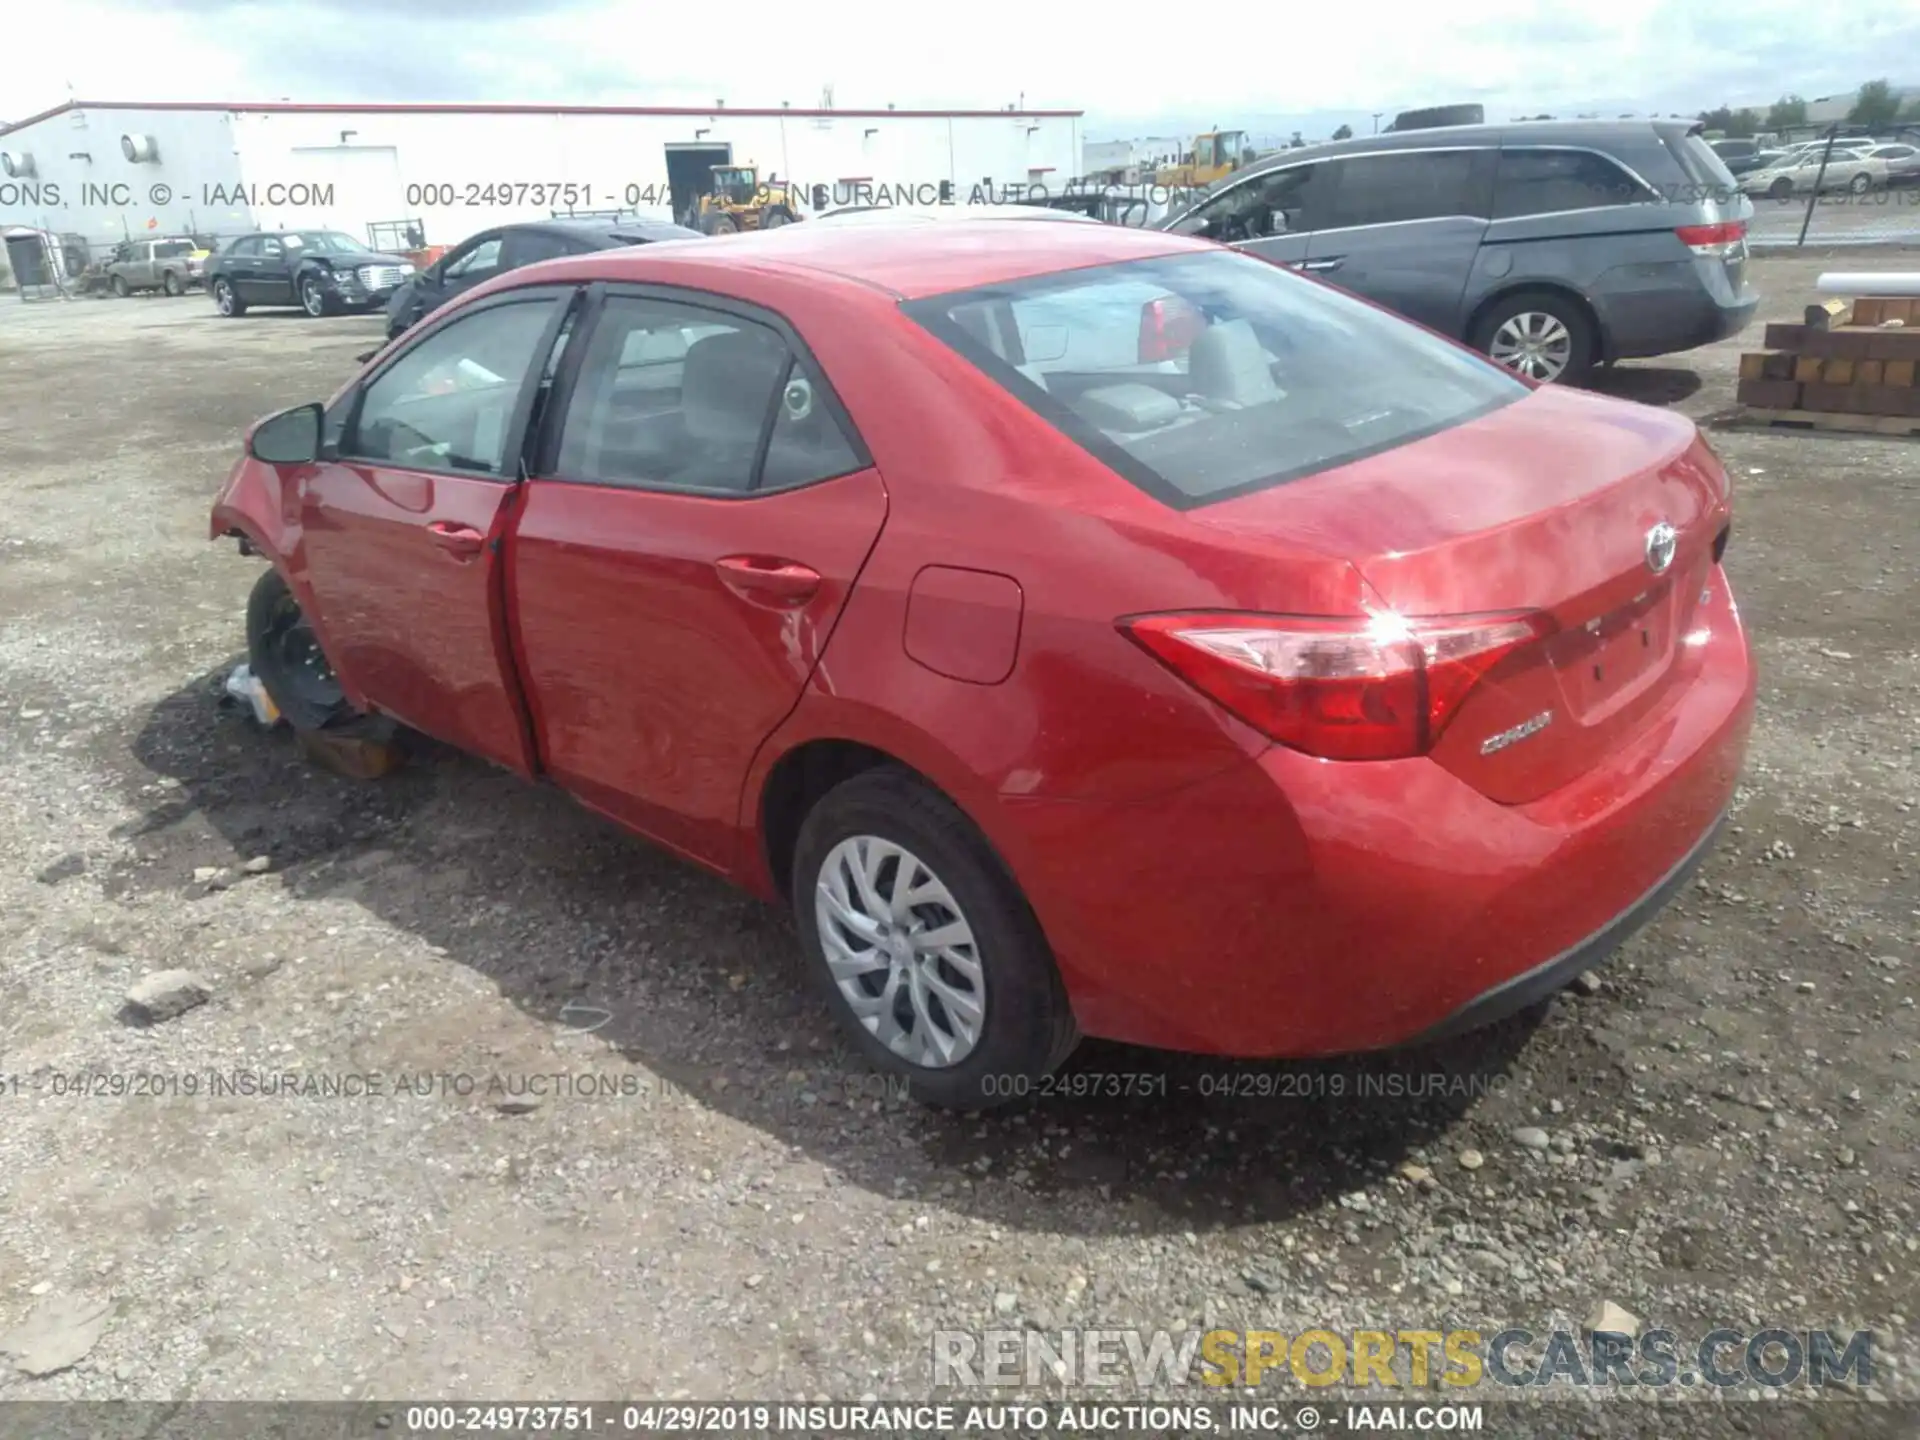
570, 916
1648, 384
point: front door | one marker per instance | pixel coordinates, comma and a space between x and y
1403, 230
1271, 214
400, 530
696, 519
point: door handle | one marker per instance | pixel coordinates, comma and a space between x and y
463, 542
766, 580
1332, 262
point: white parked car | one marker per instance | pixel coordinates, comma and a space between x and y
1850, 168
1902, 161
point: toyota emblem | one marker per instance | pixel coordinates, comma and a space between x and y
1661, 540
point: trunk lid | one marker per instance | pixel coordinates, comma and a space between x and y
1548, 507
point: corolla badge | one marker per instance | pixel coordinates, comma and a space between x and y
1518, 733
1661, 541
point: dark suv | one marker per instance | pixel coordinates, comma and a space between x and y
508, 247
1550, 246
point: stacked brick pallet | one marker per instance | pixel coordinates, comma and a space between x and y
1848, 367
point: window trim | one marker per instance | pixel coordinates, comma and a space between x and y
544, 465
931, 313
563, 298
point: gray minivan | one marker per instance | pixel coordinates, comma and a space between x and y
1551, 246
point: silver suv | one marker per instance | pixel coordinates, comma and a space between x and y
1551, 246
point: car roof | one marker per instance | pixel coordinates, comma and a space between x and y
927, 214
908, 261
626, 230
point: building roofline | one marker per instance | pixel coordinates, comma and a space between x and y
435, 107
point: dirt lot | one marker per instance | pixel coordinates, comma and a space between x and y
1731, 1129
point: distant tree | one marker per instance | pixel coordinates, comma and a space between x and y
1719, 118
1876, 105
1787, 111
1746, 123
1911, 113
1345, 132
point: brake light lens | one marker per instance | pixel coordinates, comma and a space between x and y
1168, 328
1382, 687
1717, 241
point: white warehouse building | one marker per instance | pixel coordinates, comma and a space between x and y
107, 172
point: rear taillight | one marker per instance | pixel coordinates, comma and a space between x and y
1168, 328
1717, 240
1375, 688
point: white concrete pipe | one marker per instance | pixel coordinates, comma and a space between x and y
1843, 282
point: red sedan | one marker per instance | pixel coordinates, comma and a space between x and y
1086, 630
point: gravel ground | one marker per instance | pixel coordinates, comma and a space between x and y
1730, 1130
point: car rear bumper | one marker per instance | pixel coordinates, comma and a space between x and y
1297, 907
1530, 987
1666, 319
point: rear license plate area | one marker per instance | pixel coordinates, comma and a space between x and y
1610, 659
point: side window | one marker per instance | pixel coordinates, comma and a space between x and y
806, 444
1542, 182
1277, 203
1387, 189
676, 397
246, 245
528, 247
483, 259
271, 248
447, 403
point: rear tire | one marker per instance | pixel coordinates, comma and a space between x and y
171, 283
120, 290
1860, 184
720, 225
1781, 189
1007, 1024
776, 217
1541, 334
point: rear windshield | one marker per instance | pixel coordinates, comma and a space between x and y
167, 249
1200, 377
1703, 167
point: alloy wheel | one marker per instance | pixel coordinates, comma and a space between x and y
901, 953
1533, 343
311, 300
223, 297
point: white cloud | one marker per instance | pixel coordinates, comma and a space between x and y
1516, 56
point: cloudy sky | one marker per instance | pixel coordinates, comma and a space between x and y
1130, 68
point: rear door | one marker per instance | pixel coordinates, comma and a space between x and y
1403, 228
698, 512
270, 271
401, 526
529, 247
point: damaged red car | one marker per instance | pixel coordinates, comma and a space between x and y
1085, 630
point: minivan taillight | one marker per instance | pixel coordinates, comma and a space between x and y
1379, 687
1714, 241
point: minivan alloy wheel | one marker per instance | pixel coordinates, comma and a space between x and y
900, 951
1533, 343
